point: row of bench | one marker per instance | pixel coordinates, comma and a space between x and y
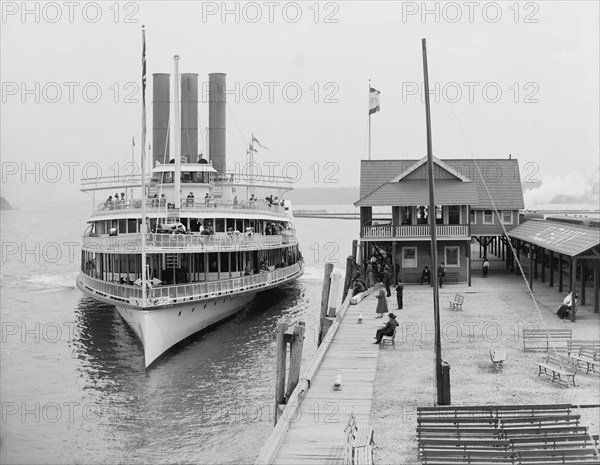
511, 434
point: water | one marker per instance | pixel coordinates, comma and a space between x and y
73, 385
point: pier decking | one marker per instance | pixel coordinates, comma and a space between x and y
316, 434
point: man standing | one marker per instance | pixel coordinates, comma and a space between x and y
387, 279
441, 272
485, 267
399, 294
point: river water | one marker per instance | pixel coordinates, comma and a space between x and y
73, 385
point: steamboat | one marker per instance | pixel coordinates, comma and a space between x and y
188, 244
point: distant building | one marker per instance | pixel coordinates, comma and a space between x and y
476, 200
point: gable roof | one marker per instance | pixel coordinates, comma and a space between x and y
498, 176
567, 239
436, 161
416, 192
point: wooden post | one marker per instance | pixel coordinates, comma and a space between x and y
295, 358
325, 295
469, 263
517, 270
571, 273
551, 268
596, 286
348, 279
531, 267
282, 326
573, 286
394, 274
354, 246
560, 273
543, 264
583, 280
534, 253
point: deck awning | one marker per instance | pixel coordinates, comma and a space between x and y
564, 238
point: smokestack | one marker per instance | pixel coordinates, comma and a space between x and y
189, 116
216, 122
160, 118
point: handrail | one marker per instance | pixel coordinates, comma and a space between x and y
128, 243
169, 294
161, 205
421, 230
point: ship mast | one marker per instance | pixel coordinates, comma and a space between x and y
143, 169
177, 135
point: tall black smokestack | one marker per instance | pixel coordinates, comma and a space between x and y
189, 116
160, 118
216, 122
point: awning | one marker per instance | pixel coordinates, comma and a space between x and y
563, 238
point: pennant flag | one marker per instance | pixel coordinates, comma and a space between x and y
373, 100
254, 139
144, 66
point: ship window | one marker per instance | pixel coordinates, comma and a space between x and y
122, 226
213, 266
220, 225
131, 225
186, 176
225, 262
231, 223
167, 177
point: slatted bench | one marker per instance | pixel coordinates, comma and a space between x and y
389, 339
497, 357
545, 338
575, 345
561, 367
359, 442
589, 356
493, 410
457, 303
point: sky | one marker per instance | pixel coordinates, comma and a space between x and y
518, 78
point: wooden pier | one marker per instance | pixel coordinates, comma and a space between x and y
311, 428
337, 215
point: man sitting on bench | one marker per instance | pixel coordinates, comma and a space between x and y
387, 330
565, 309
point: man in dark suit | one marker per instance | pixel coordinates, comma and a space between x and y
387, 330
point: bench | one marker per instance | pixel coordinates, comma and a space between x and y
390, 339
559, 366
457, 303
359, 442
589, 356
575, 344
545, 338
498, 357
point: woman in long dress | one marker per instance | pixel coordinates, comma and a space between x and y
381, 302
370, 278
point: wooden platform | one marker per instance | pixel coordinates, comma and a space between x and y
317, 437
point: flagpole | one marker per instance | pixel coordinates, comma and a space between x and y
132, 163
143, 169
369, 120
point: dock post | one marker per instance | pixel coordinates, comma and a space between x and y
323, 322
354, 246
295, 358
573, 278
333, 293
282, 326
348, 279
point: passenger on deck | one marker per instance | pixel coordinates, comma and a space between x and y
109, 203
189, 201
235, 201
248, 270
207, 199
155, 200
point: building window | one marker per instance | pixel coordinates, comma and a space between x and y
439, 216
406, 215
452, 256
454, 214
488, 217
507, 217
473, 217
409, 257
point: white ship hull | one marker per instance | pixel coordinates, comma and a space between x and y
160, 329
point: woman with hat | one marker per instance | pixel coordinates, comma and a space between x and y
387, 330
381, 302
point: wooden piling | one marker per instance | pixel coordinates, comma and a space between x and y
354, 246
325, 299
282, 326
348, 279
295, 358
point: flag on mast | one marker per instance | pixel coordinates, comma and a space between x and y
373, 100
254, 139
144, 66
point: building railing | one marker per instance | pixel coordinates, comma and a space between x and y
132, 243
154, 206
163, 295
416, 231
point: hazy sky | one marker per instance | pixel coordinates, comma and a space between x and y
511, 78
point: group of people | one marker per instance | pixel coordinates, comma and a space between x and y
273, 200
114, 203
426, 275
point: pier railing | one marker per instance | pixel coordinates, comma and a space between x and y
416, 231
170, 294
132, 243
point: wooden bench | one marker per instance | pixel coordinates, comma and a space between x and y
498, 357
390, 339
589, 356
545, 338
559, 366
359, 442
457, 303
575, 344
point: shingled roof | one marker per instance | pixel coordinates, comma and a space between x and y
416, 192
500, 176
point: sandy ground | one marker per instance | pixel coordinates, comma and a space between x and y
494, 313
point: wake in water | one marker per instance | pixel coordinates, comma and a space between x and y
50, 282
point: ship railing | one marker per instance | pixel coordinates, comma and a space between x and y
132, 243
156, 206
417, 231
160, 295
